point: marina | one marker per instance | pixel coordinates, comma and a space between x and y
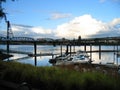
41, 54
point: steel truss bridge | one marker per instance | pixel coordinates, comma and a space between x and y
90, 41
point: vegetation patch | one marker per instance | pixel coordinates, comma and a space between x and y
55, 78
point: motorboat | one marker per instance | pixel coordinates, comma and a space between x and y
78, 57
62, 57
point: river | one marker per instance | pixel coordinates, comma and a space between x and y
43, 60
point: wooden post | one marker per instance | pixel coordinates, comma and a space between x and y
85, 48
61, 49
66, 49
35, 52
74, 45
70, 50
99, 51
117, 55
114, 54
74, 48
52, 56
90, 53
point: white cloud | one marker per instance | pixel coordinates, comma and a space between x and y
16, 28
57, 15
110, 29
83, 25
30, 31
40, 30
115, 21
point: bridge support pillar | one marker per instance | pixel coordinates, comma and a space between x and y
8, 48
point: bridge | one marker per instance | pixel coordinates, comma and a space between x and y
88, 41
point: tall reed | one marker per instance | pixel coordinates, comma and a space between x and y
55, 78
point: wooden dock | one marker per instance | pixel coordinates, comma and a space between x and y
42, 54
15, 51
95, 51
51, 54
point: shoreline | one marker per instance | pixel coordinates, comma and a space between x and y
4, 56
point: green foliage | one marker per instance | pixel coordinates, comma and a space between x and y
54, 78
2, 13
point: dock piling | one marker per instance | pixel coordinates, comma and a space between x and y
100, 52
117, 56
90, 52
35, 52
61, 49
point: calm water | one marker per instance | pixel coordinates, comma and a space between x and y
43, 60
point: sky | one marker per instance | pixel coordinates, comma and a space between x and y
62, 18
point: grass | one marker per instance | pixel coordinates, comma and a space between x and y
55, 78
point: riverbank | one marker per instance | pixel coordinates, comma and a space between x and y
4, 56
56, 77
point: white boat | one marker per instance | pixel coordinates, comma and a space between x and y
78, 57
61, 58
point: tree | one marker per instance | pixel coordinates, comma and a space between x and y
2, 13
1, 9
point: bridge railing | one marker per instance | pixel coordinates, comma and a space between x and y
93, 41
16, 39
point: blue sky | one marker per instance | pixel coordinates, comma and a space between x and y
63, 18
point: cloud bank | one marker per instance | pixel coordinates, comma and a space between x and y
85, 26
30, 31
80, 26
